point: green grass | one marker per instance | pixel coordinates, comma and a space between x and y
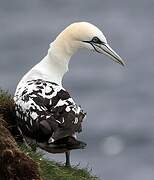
51, 170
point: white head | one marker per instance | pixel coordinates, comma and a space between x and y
83, 35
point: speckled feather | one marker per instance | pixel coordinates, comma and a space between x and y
46, 112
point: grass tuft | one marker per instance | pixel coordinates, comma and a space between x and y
51, 170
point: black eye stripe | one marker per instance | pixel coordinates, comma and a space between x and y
96, 40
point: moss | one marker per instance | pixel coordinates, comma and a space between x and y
14, 164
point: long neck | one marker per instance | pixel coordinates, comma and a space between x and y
54, 65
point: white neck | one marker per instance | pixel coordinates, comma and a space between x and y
54, 65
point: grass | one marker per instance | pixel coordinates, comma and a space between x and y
49, 170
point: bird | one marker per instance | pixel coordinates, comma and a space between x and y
46, 113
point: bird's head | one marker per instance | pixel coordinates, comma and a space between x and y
84, 35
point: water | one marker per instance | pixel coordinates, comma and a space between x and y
119, 101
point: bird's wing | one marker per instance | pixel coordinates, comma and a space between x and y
46, 111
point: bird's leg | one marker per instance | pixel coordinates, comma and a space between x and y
67, 159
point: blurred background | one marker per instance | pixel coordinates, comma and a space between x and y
119, 102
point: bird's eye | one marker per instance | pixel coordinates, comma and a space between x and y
96, 40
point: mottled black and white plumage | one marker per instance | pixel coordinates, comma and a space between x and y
45, 111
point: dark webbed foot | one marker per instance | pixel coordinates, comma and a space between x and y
67, 164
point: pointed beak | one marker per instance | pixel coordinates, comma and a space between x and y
104, 48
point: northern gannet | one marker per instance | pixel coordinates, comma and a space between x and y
45, 111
